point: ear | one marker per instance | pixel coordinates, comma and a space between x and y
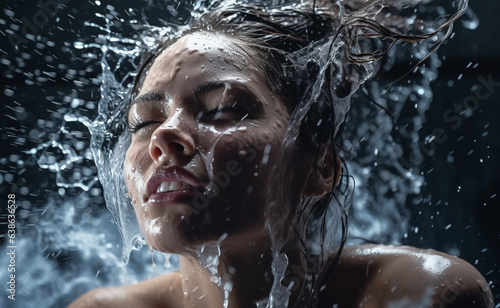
324, 175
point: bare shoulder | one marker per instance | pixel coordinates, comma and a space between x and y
402, 276
162, 291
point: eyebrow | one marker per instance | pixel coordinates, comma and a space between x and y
198, 90
149, 97
214, 85
237, 85
208, 86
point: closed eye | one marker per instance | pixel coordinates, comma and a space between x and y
225, 114
134, 128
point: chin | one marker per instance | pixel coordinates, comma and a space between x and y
181, 234
188, 235
182, 229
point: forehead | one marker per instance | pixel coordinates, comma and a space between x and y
204, 55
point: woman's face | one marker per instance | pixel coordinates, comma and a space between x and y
206, 138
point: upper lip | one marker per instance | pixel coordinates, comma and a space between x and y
171, 173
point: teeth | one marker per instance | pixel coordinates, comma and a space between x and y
172, 186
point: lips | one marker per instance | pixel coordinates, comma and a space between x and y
171, 184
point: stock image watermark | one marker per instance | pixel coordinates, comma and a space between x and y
34, 23
11, 246
453, 117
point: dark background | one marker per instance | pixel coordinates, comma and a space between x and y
462, 175
459, 209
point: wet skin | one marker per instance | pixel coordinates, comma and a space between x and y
180, 136
366, 276
206, 119
204, 109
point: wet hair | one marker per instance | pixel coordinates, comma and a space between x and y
281, 34
315, 56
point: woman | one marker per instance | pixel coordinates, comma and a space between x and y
231, 164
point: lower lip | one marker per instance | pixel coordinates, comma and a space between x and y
169, 197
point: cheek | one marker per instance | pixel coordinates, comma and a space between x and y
248, 158
135, 166
245, 148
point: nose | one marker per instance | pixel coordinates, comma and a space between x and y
172, 140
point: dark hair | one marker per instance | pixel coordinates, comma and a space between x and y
283, 34
315, 56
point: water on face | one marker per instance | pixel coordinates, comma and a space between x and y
67, 243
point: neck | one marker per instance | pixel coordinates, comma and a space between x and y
242, 276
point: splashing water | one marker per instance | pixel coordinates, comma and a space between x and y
209, 255
66, 244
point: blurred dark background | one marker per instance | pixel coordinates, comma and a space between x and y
462, 173
459, 210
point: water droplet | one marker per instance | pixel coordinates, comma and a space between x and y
265, 157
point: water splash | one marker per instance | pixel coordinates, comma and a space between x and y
65, 155
60, 258
208, 256
69, 160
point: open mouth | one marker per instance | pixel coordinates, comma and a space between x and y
169, 186
169, 192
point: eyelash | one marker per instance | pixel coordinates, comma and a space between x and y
134, 128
